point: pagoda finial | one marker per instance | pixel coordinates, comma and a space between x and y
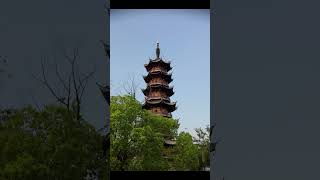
158, 50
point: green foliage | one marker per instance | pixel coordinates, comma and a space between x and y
49, 144
166, 126
137, 140
203, 141
137, 136
149, 147
186, 153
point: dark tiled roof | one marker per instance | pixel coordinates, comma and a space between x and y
160, 101
153, 62
165, 75
168, 89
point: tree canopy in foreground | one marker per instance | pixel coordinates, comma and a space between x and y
137, 140
49, 144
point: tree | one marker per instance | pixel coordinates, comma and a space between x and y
49, 144
73, 85
203, 142
186, 153
137, 136
131, 85
137, 140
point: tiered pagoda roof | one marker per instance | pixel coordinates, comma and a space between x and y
158, 91
166, 88
156, 62
158, 73
159, 101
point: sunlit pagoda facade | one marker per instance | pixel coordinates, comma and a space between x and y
158, 91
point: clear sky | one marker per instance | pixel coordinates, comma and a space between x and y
184, 37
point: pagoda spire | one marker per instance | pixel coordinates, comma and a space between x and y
158, 50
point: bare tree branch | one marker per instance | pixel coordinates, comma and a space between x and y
69, 91
131, 85
85, 80
46, 83
73, 85
59, 76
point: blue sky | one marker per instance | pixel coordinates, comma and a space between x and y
184, 37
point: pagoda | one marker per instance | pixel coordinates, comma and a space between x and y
158, 92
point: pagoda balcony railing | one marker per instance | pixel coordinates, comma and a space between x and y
158, 83
160, 70
157, 97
